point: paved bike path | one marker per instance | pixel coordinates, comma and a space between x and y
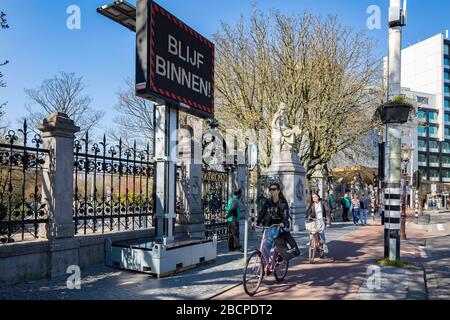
336, 278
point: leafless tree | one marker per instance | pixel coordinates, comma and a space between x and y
3, 21
3, 25
63, 93
321, 69
135, 119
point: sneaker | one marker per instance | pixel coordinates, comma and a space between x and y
325, 249
308, 243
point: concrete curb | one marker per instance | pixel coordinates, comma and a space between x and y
431, 282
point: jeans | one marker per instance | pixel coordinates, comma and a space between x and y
355, 216
322, 230
322, 236
363, 216
345, 214
271, 234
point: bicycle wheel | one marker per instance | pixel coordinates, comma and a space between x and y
281, 269
312, 249
253, 273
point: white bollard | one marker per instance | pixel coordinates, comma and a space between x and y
245, 241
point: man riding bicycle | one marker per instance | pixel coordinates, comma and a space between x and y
274, 214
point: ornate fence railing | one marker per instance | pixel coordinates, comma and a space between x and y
113, 187
22, 209
215, 197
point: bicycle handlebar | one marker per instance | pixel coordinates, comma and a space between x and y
264, 228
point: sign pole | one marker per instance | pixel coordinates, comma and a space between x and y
392, 196
166, 123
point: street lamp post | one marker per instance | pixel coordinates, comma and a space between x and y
392, 120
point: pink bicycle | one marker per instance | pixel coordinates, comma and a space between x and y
259, 265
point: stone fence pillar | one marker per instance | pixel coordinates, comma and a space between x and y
58, 133
192, 219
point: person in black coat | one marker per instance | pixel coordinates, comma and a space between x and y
274, 214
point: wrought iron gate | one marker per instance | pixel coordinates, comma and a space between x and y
215, 198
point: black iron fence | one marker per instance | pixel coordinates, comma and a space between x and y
22, 208
113, 187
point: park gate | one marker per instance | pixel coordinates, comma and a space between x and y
215, 197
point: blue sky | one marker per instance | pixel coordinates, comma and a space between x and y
39, 45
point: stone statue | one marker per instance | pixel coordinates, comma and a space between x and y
283, 134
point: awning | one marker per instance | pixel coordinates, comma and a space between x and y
346, 175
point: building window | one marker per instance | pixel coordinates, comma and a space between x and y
446, 49
434, 174
423, 173
433, 116
446, 89
447, 62
445, 161
434, 146
422, 159
446, 174
446, 147
447, 104
447, 132
422, 131
447, 118
422, 115
433, 131
423, 100
422, 145
447, 75
434, 159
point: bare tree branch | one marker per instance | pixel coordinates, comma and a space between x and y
3, 25
62, 93
325, 72
135, 120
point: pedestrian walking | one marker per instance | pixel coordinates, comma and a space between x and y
356, 209
330, 217
345, 203
233, 215
364, 207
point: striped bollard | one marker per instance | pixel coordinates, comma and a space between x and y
392, 216
416, 204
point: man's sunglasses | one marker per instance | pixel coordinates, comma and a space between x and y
273, 189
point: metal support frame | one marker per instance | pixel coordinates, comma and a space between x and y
166, 149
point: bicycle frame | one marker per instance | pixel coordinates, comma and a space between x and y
316, 237
271, 260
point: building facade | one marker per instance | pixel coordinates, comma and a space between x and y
426, 74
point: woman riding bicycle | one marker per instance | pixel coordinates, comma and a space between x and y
317, 212
274, 214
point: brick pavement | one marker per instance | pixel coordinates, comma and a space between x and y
344, 276
104, 283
